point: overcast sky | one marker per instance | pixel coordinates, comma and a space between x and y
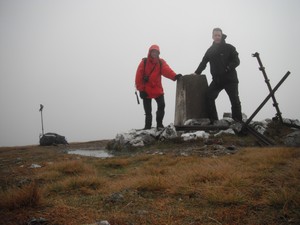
79, 57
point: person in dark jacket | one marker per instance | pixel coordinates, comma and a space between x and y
148, 83
223, 59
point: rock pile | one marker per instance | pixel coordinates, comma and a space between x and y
139, 138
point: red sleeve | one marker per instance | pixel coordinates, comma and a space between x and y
139, 77
167, 71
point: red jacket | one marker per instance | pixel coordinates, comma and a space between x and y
153, 87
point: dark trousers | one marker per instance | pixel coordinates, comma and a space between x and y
159, 113
233, 94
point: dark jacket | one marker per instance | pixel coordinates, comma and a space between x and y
223, 59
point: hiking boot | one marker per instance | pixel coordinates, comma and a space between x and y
160, 126
212, 122
147, 128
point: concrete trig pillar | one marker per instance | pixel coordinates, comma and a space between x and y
190, 98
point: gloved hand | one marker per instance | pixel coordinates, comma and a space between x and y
143, 94
177, 76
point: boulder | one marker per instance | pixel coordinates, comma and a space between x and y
140, 138
292, 139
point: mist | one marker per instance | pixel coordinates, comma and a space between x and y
79, 58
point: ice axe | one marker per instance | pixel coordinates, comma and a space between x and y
137, 98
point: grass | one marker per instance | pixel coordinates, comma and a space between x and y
253, 186
16, 198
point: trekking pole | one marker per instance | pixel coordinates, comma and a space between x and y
41, 110
268, 97
262, 69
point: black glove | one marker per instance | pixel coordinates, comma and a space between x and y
143, 94
198, 72
177, 76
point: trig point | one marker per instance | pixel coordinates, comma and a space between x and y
190, 98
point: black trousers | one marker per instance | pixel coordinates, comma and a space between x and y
159, 113
233, 94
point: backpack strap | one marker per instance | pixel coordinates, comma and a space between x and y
145, 62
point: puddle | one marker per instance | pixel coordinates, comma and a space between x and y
91, 153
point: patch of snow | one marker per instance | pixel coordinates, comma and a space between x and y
195, 135
228, 131
34, 166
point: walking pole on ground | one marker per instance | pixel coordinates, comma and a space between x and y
41, 110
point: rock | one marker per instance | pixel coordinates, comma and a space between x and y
228, 131
198, 122
223, 122
23, 182
208, 141
231, 148
115, 198
102, 222
140, 138
37, 221
195, 135
135, 138
261, 126
292, 139
137, 142
236, 127
291, 122
184, 154
227, 115
168, 132
34, 166
214, 141
218, 147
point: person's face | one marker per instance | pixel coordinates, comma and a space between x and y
154, 53
217, 36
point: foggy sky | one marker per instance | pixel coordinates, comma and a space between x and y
79, 58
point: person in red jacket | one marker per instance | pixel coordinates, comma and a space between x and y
148, 83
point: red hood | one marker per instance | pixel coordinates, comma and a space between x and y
153, 47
